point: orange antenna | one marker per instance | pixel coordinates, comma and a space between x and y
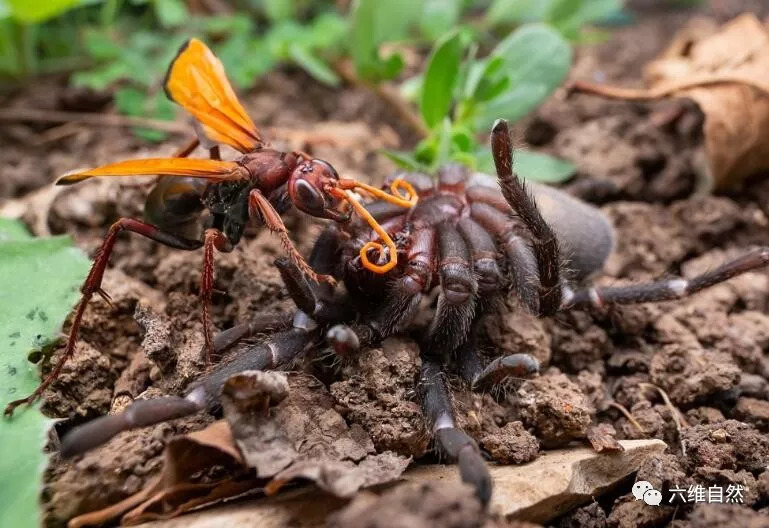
396, 187
409, 199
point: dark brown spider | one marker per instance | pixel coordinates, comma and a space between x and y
469, 239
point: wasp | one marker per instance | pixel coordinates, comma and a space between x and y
257, 186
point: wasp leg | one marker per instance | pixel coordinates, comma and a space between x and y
92, 285
186, 149
276, 350
212, 239
261, 207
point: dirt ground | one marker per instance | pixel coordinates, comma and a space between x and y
708, 353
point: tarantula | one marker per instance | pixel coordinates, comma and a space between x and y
468, 239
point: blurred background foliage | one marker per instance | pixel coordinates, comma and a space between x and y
478, 59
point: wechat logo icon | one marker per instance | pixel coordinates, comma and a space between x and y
643, 490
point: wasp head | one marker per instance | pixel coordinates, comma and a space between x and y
313, 189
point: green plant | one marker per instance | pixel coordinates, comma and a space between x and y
42, 276
570, 17
21, 38
461, 95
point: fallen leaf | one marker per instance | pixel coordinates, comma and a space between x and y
724, 73
246, 398
278, 429
603, 438
187, 480
34, 302
555, 482
343, 478
536, 492
305, 437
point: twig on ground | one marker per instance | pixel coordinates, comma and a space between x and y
116, 120
628, 415
678, 419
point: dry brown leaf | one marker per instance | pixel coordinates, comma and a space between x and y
245, 399
174, 490
603, 438
281, 433
305, 437
343, 478
725, 73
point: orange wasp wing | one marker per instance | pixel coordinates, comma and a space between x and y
214, 170
196, 80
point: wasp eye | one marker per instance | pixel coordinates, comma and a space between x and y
327, 167
308, 198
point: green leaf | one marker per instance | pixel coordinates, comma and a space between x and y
279, 9
404, 160
375, 22
313, 65
328, 30
537, 60
100, 45
462, 139
171, 13
443, 147
45, 273
535, 166
36, 11
130, 101
517, 11
441, 76
102, 78
12, 230
569, 17
411, 87
439, 16
226, 25
479, 70
283, 35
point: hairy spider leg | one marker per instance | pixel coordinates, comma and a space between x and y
544, 242
520, 257
273, 352
457, 298
499, 370
455, 443
667, 289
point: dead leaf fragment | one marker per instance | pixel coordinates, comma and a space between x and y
603, 438
186, 481
556, 481
282, 426
433, 496
246, 398
724, 72
343, 478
